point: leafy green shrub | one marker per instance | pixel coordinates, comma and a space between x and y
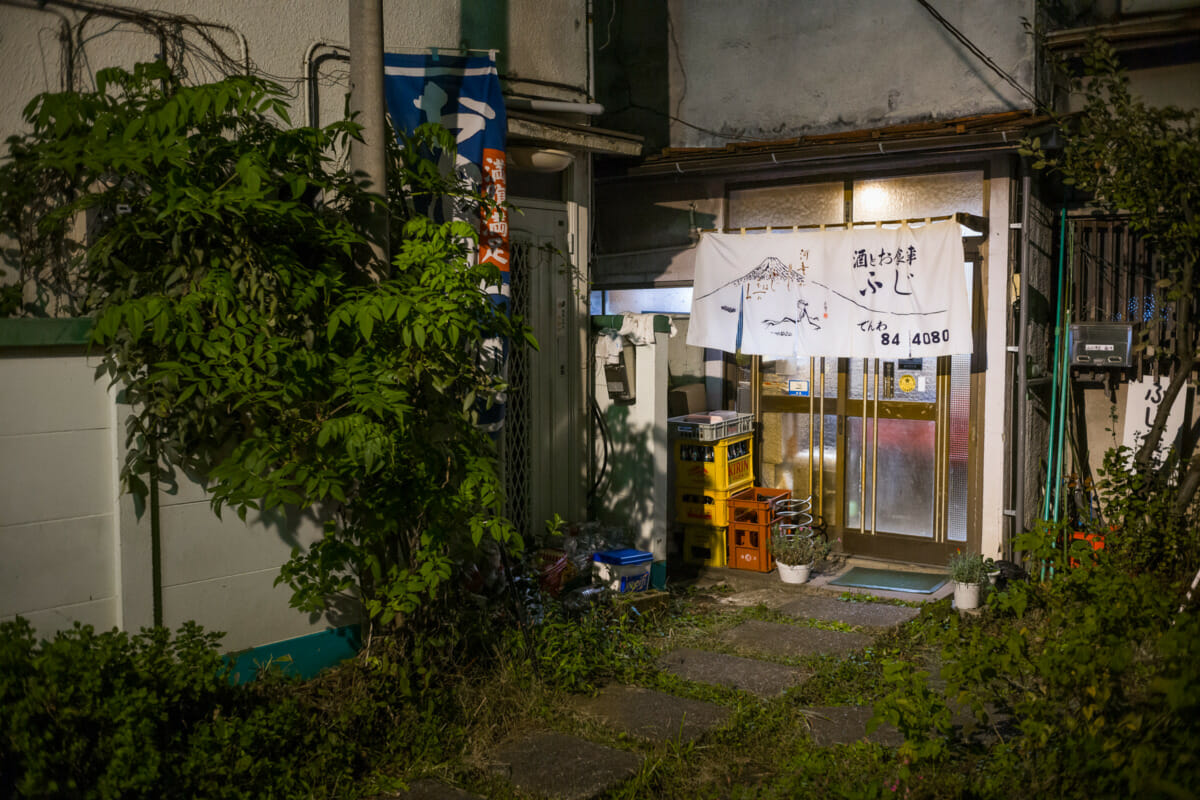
577, 652
1097, 680
152, 715
1146, 531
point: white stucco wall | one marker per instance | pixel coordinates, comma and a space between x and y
635, 490
776, 69
73, 548
547, 40
57, 501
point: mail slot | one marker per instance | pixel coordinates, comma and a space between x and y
1101, 344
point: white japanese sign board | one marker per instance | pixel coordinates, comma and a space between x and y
874, 293
1141, 406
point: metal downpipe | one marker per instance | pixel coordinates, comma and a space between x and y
1022, 351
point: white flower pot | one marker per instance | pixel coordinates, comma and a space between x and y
966, 595
794, 573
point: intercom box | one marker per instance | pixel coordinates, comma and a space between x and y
1101, 344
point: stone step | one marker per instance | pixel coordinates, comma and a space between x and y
794, 641
832, 725
761, 678
865, 615
555, 765
429, 789
657, 716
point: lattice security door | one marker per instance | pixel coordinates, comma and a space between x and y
516, 444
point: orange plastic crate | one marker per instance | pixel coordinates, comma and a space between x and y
750, 547
756, 505
1096, 540
714, 466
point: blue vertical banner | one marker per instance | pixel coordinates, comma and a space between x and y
463, 95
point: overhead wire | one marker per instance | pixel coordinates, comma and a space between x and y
982, 56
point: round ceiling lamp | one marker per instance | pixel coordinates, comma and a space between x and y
539, 159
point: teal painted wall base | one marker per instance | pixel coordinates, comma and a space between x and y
303, 656
658, 574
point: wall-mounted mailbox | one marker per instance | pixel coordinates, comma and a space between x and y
621, 376
1101, 344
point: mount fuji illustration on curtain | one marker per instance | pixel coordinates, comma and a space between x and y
875, 293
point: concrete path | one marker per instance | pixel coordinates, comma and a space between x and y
562, 767
428, 789
858, 614
793, 641
565, 767
652, 715
832, 725
762, 678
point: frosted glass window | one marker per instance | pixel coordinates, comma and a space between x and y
785, 206
664, 300
905, 473
918, 196
785, 458
960, 437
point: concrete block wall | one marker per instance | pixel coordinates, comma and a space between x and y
74, 549
58, 528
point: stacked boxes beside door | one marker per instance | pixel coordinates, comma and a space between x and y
753, 515
714, 459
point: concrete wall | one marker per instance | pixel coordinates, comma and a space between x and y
777, 69
544, 40
635, 492
58, 501
74, 548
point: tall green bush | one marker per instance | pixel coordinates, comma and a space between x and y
219, 263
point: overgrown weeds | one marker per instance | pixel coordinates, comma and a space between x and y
1096, 682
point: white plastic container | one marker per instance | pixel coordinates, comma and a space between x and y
622, 571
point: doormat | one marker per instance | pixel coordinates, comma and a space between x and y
891, 580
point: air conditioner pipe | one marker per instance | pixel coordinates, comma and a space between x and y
566, 106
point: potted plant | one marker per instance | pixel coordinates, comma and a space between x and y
969, 572
795, 553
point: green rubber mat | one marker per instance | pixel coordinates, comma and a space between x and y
891, 580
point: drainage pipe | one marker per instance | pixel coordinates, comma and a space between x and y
368, 157
1022, 353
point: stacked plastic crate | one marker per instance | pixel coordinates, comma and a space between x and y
753, 515
714, 458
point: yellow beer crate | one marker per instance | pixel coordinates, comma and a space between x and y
704, 545
714, 466
700, 507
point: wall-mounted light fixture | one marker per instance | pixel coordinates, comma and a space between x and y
539, 159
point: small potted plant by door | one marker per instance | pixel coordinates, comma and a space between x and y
969, 573
795, 553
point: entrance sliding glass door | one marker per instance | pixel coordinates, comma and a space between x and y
882, 447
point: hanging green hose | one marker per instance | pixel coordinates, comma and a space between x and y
1053, 454
1050, 451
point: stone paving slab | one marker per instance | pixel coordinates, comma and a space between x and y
830, 609
780, 639
564, 767
761, 678
657, 716
429, 789
847, 724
